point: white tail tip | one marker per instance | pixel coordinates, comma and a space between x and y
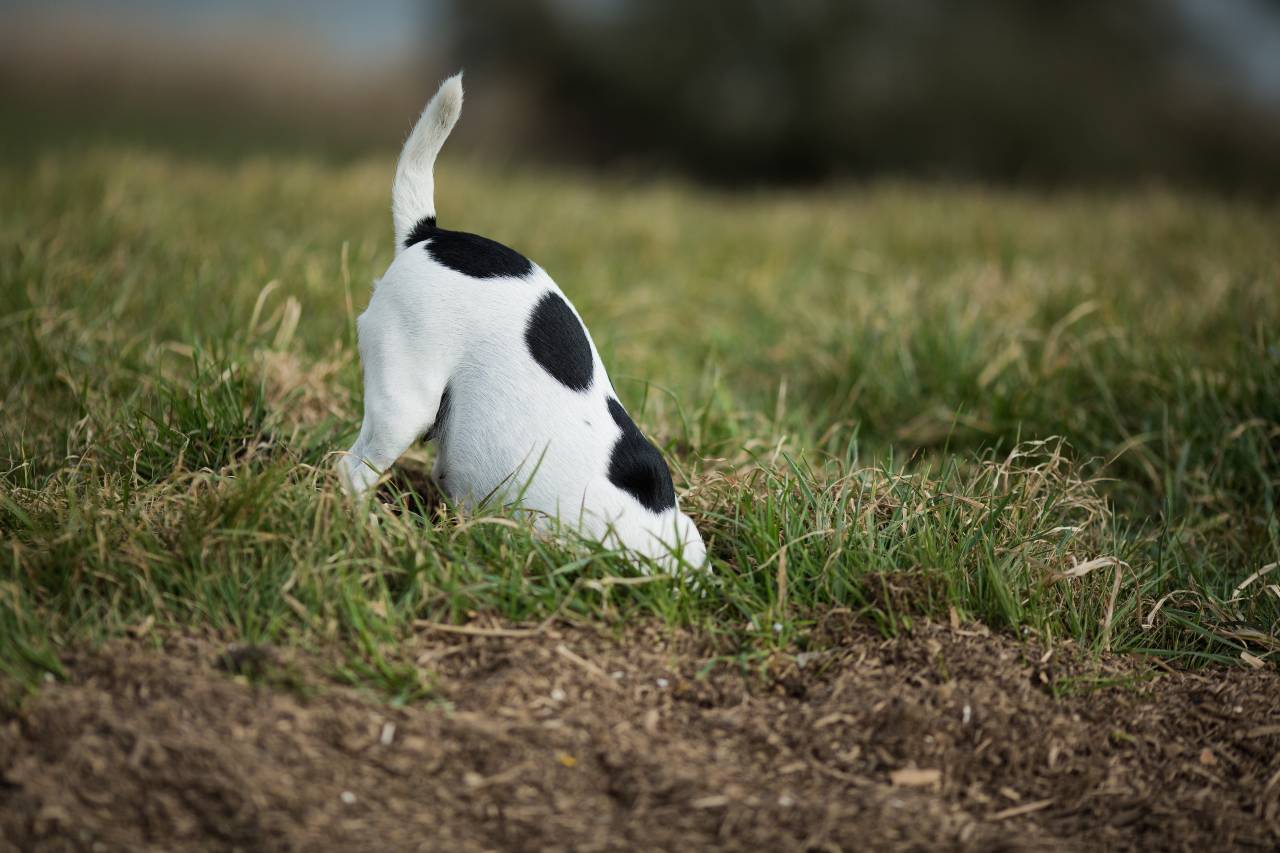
437, 121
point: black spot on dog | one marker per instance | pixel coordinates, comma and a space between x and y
469, 254
421, 231
557, 342
636, 466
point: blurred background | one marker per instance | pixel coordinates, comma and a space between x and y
1091, 92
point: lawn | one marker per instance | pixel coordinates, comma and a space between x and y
1054, 413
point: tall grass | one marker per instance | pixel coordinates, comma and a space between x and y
1052, 414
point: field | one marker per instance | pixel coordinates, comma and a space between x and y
974, 467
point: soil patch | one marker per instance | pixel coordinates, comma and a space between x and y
574, 740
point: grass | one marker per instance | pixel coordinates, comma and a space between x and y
1054, 414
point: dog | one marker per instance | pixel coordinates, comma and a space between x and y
470, 344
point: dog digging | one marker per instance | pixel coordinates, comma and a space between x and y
468, 343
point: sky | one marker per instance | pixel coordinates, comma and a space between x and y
362, 33
1243, 34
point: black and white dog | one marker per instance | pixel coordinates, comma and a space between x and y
468, 343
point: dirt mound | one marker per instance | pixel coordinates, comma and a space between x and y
570, 740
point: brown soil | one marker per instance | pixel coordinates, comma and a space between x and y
570, 740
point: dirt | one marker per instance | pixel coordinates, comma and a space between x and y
571, 739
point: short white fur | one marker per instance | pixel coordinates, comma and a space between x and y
513, 433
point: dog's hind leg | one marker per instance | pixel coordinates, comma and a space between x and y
388, 429
383, 439
400, 405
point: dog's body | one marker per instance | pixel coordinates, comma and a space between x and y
467, 342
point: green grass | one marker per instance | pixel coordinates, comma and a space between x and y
901, 400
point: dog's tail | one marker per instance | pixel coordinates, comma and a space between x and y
413, 201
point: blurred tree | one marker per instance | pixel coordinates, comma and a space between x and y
1091, 90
